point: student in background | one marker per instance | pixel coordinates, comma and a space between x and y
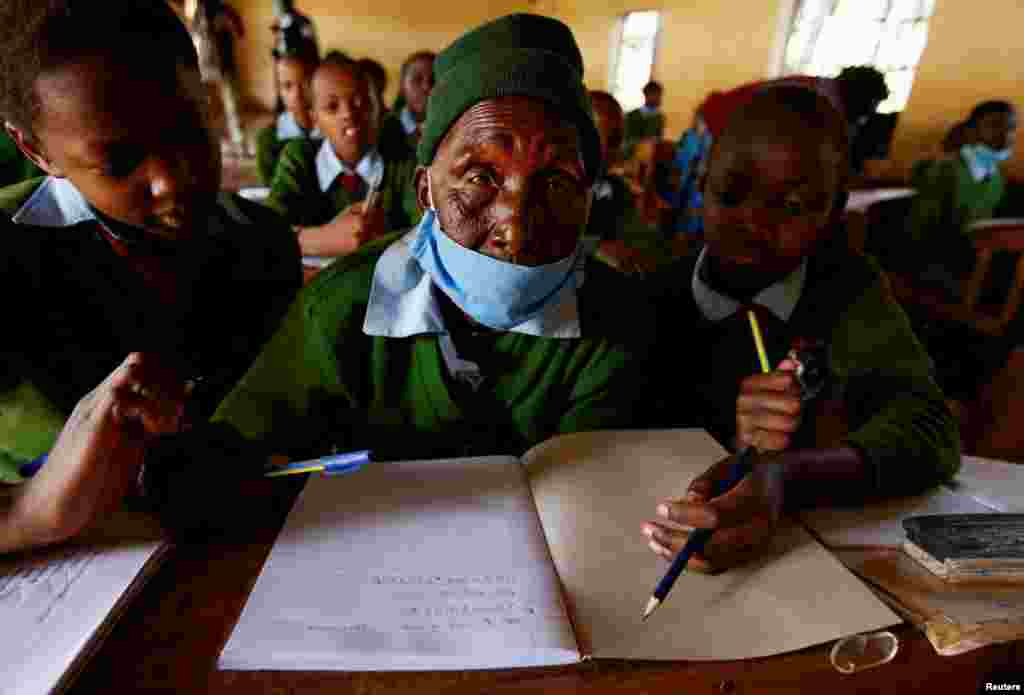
958, 190
294, 71
320, 189
647, 121
378, 78
126, 247
475, 333
400, 130
773, 197
621, 238
216, 26
955, 138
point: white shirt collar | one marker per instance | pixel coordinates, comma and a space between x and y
328, 167
979, 171
288, 128
408, 120
780, 298
403, 301
603, 189
55, 203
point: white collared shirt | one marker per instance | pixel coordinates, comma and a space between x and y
780, 298
55, 203
407, 120
58, 203
403, 301
288, 128
328, 167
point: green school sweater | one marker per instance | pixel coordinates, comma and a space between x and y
87, 309
948, 200
14, 166
322, 383
640, 125
295, 191
268, 151
392, 140
897, 414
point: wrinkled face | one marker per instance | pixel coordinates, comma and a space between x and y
343, 111
138, 147
417, 83
767, 203
508, 181
997, 130
293, 83
610, 126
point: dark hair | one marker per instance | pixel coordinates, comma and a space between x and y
596, 95
429, 55
770, 111
865, 82
337, 57
40, 36
375, 71
988, 107
653, 86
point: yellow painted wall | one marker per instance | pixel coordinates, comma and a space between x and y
704, 45
386, 30
974, 53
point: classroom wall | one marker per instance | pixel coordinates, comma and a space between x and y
974, 53
386, 30
704, 45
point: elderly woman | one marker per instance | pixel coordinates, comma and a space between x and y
481, 330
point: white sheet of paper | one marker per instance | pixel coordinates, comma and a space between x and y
881, 523
410, 565
53, 602
594, 490
996, 484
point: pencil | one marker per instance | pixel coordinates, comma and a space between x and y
371, 195
699, 537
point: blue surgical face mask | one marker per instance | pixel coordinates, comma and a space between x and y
494, 293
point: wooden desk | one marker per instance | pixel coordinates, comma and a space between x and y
170, 637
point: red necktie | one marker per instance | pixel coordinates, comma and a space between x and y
354, 185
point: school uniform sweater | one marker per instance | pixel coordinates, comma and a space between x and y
948, 200
272, 139
322, 382
896, 413
75, 307
301, 192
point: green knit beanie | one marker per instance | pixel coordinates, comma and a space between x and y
517, 55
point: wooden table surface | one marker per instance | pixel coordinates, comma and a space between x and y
169, 638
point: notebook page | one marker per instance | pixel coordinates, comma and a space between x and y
995, 484
594, 490
410, 565
881, 523
53, 602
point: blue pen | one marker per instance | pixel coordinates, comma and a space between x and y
699, 537
32, 467
333, 464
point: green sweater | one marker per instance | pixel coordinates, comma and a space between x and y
14, 166
295, 190
268, 151
896, 412
89, 309
948, 200
640, 125
322, 383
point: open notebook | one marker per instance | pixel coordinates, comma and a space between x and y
57, 604
496, 562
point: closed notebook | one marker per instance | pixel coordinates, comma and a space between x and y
968, 547
498, 562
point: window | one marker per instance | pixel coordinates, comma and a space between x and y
828, 35
633, 57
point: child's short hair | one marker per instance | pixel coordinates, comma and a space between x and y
789, 111
39, 36
988, 107
429, 55
653, 86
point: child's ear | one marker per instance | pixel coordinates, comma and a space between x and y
31, 149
